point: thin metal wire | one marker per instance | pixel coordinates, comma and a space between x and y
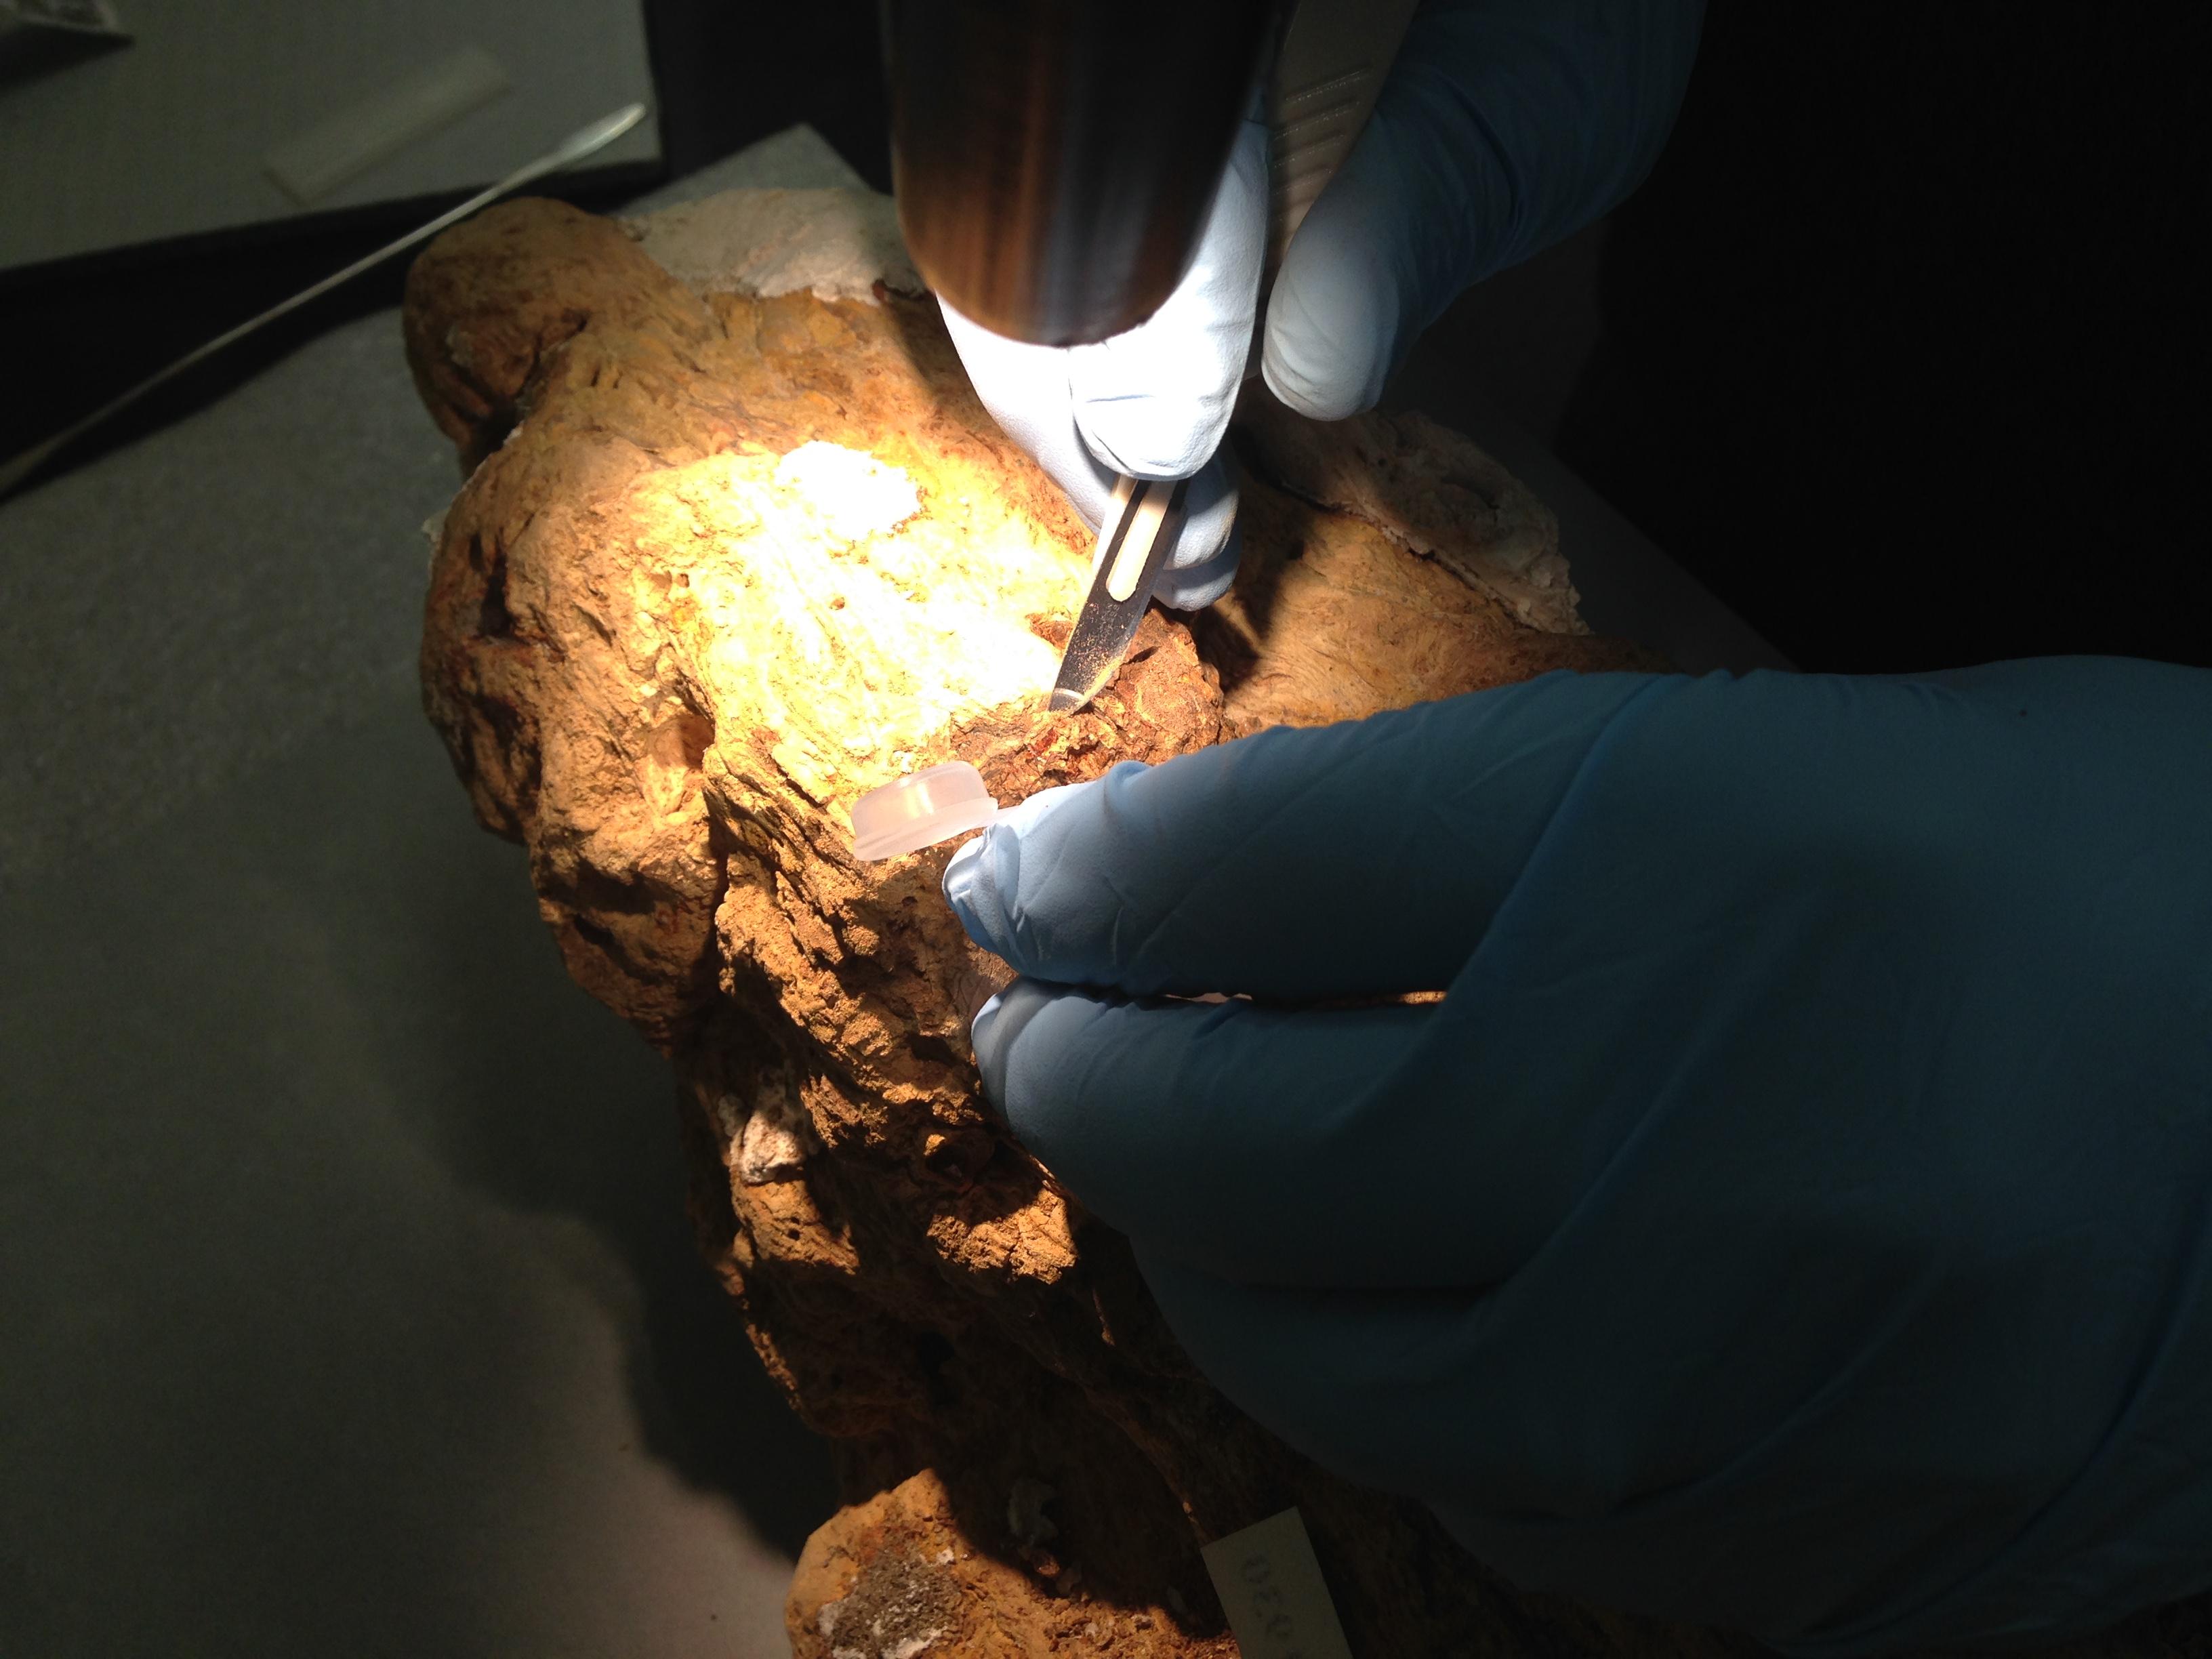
584, 141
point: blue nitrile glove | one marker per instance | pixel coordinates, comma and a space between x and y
1797, 1215
1505, 125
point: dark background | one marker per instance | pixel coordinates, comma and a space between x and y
1900, 349
1901, 346
1903, 349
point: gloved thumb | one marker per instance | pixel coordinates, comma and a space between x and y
1154, 402
1505, 125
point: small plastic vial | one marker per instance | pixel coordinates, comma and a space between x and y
920, 809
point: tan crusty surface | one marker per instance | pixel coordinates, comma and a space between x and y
722, 563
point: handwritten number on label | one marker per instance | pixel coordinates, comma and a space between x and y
1272, 1589
1258, 1572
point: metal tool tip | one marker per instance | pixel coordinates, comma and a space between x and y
600, 133
1065, 700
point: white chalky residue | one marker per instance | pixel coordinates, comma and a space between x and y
837, 243
777, 1135
824, 598
770, 1150
852, 493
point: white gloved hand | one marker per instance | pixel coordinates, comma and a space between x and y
1504, 126
1152, 403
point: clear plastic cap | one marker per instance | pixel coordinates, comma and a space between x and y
920, 809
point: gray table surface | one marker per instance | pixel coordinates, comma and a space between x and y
168, 135
347, 1303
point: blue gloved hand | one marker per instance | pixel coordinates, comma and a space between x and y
1505, 125
1797, 1214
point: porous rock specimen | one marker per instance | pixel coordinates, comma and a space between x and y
737, 548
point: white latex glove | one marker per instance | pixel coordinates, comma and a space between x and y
1152, 403
1505, 125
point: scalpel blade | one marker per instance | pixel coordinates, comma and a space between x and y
1133, 547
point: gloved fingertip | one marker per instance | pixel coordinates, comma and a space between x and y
961, 873
1154, 401
1301, 396
988, 1035
982, 880
1204, 563
1321, 378
980, 1029
995, 1030
982, 883
1194, 587
1339, 303
1153, 437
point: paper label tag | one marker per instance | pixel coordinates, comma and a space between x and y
312, 164
1272, 1589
